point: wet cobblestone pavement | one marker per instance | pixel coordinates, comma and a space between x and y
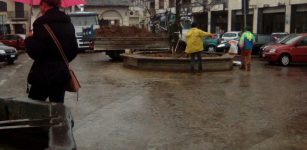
120, 108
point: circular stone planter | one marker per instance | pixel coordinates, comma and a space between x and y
164, 61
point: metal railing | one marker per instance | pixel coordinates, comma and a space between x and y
18, 15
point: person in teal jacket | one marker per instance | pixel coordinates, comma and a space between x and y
247, 42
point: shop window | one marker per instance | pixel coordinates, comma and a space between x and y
3, 7
171, 3
152, 5
161, 4
270, 25
299, 24
186, 2
116, 22
19, 10
19, 29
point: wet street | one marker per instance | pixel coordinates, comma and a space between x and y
125, 109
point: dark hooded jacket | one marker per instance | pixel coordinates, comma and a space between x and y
49, 66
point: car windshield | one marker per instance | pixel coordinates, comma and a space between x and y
283, 39
230, 35
291, 39
263, 39
279, 35
84, 20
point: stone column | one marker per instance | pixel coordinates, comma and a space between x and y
157, 4
209, 21
255, 21
229, 20
288, 18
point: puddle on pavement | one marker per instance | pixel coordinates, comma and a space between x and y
298, 125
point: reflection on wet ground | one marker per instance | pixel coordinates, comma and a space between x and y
264, 109
120, 108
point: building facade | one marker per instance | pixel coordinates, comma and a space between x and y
14, 17
119, 12
264, 16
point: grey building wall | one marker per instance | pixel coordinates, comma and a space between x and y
290, 13
15, 23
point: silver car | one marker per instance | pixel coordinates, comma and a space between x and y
233, 35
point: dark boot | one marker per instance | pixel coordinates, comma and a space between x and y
242, 67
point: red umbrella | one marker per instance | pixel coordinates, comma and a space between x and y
64, 3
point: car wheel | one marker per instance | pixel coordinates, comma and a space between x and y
284, 60
211, 49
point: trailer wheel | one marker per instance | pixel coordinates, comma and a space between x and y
115, 55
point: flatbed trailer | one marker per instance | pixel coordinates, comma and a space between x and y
114, 46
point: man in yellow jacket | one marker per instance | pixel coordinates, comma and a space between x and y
194, 40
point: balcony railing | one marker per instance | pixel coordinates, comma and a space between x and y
18, 15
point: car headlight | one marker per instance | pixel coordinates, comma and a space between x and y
273, 50
2, 52
221, 45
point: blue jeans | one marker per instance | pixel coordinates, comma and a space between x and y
198, 61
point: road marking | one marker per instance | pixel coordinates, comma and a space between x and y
2, 82
12, 73
15, 70
17, 67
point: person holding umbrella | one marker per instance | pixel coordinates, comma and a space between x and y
49, 74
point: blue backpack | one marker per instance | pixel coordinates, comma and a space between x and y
248, 42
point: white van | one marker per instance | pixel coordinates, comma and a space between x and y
84, 22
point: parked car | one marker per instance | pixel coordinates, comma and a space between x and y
261, 49
292, 49
218, 37
14, 40
8, 54
260, 40
223, 47
233, 35
278, 35
210, 43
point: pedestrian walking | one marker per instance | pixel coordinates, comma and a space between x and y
49, 75
194, 39
247, 42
